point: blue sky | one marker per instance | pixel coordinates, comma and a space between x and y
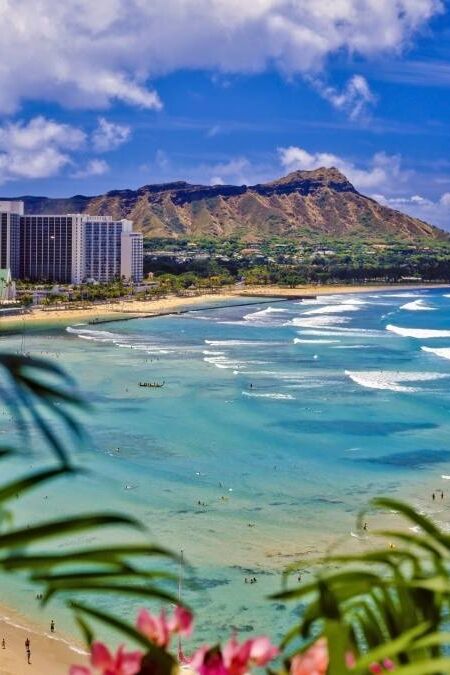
122, 93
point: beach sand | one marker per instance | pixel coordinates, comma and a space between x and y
50, 654
136, 308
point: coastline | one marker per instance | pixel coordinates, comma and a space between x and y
133, 309
50, 654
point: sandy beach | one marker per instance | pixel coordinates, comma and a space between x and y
137, 308
50, 654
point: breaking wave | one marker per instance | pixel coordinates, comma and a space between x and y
391, 380
417, 332
417, 306
444, 352
274, 396
335, 309
313, 342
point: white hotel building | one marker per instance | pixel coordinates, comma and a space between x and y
70, 248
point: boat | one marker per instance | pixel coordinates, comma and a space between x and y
152, 385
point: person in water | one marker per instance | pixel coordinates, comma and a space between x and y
52, 626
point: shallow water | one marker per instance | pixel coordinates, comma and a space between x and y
284, 420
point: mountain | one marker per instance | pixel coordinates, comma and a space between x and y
302, 203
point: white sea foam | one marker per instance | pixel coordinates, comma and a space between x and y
89, 334
207, 352
399, 295
238, 343
335, 309
361, 333
225, 363
391, 379
313, 342
418, 332
275, 396
444, 352
417, 306
317, 321
264, 313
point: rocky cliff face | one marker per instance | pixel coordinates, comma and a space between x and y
301, 204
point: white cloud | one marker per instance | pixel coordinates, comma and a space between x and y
95, 167
435, 212
236, 171
36, 149
89, 54
354, 98
382, 171
109, 135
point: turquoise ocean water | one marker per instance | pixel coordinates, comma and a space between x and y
284, 419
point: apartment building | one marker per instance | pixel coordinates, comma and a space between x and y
68, 248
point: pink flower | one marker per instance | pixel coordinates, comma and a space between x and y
120, 663
159, 629
262, 651
312, 662
234, 658
154, 627
207, 661
181, 622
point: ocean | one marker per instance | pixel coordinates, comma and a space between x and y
276, 424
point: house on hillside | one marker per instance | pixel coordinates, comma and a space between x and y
7, 287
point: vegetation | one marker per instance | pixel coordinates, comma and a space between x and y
290, 263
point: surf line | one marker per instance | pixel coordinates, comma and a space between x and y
209, 308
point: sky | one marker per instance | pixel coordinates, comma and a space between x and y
118, 94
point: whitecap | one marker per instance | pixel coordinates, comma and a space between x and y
264, 313
335, 309
313, 342
417, 306
399, 295
444, 352
317, 321
391, 379
275, 396
238, 343
418, 332
89, 334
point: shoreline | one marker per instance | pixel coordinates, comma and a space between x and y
135, 309
51, 654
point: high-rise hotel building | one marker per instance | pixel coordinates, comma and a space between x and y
70, 248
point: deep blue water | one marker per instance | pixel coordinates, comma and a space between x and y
284, 419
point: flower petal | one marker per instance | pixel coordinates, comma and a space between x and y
101, 656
